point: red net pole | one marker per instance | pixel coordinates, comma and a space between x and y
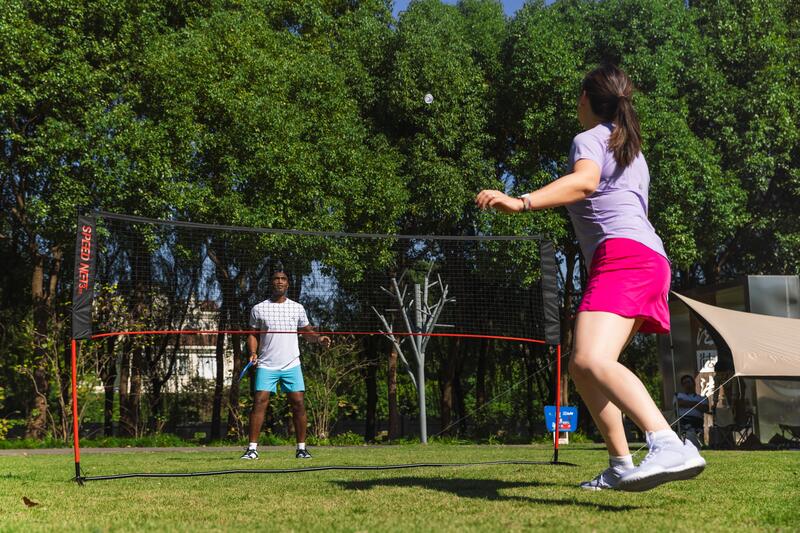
558, 403
75, 435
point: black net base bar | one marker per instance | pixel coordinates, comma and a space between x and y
83, 479
174, 282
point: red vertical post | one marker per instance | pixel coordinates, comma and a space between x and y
558, 402
75, 435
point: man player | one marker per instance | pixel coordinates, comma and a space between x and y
277, 359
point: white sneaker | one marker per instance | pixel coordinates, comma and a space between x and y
250, 453
605, 480
666, 461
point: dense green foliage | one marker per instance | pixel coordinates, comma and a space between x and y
310, 114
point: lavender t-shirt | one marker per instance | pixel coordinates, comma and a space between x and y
618, 208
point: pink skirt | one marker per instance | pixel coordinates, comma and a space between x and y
629, 279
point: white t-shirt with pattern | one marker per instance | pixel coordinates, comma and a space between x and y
278, 351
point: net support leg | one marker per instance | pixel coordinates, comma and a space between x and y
75, 435
558, 403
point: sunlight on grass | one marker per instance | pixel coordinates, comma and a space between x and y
742, 490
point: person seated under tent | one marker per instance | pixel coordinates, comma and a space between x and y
690, 408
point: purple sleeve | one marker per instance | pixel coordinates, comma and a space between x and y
589, 147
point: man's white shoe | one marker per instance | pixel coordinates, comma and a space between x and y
605, 480
249, 453
667, 461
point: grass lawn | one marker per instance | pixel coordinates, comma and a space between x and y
738, 491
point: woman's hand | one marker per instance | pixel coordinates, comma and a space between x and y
497, 200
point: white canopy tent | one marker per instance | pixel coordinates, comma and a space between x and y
761, 346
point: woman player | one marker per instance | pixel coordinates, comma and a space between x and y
629, 279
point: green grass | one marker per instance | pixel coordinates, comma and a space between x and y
738, 491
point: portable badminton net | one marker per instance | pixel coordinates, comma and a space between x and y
178, 281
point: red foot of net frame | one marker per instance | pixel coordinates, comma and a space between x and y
83, 479
321, 332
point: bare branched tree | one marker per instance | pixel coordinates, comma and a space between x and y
420, 318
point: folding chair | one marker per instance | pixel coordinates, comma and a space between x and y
791, 434
732, 430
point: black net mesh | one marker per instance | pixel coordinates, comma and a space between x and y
166, 306
156, 276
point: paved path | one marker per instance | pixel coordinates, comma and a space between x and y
68, 451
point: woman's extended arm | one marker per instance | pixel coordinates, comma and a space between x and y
582, 182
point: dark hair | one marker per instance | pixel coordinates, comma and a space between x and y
683, 377
609, 91
277, 268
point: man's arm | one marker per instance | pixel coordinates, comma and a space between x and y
701, 405
252, 347
252, 338
310, 335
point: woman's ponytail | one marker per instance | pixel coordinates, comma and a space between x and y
609, 91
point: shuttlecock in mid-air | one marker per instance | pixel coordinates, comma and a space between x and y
428, 98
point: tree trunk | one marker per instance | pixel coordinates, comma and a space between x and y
480, 374
530, 369
109, 375
156, 396
447, 384
130, 390
135, 393
371, 382
219, 382
36, 426
461, 408
65, 381
233, 426
124, 387
219, 255
141, 275
394, 410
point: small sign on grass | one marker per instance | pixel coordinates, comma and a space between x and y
568, 422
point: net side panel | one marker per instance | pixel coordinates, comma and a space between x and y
84, 277
549, 294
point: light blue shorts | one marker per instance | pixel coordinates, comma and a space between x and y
291, 380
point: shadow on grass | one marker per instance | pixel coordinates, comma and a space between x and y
484, 489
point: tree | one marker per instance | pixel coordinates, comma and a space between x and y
695, 205
331, 374
282, 134
446, 145
60, 64
746, 101
418, 318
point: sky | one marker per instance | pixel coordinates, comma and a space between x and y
509, 6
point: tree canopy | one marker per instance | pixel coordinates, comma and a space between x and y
311, 115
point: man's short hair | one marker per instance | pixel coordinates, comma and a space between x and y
277, 268
683, 377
